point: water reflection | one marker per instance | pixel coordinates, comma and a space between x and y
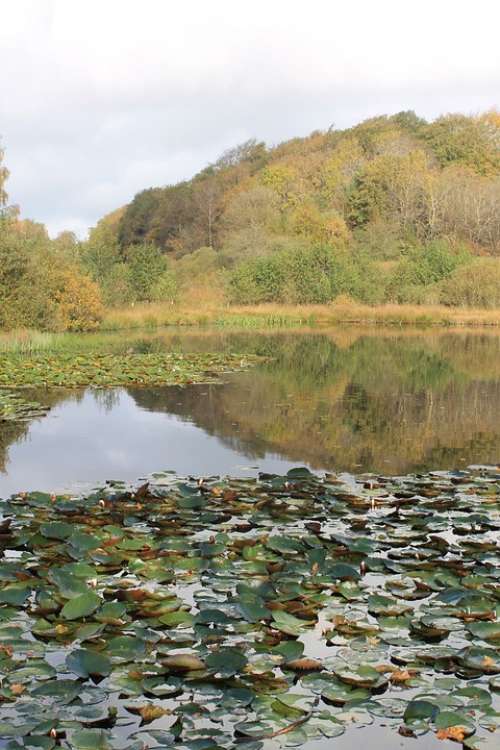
376, 403
338, 400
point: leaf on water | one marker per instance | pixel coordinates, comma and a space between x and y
183, 663
86, 663
288, 623
81, 606
226, 661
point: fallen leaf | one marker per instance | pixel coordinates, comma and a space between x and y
458, 734
304, 665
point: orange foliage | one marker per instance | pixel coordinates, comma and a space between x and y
78, 302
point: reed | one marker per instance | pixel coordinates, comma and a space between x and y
25, 341
274, 316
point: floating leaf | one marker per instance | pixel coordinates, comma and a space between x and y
87, 663
81, 606
226, 661
288, 623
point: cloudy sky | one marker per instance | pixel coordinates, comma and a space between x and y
102, 98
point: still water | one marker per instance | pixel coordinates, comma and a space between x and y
343, 400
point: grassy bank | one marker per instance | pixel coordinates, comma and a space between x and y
271, 315
157, 315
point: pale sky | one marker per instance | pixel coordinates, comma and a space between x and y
102, 98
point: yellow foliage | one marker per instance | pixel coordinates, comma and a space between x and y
308, 221
340, 168
77, 301
280, 178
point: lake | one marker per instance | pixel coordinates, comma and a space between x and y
259, 611
343, 400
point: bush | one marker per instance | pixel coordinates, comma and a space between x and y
117, 287
77, 302
146, 263
305, 275
258, 280
165, 288
41, 286
477, 285
422, 267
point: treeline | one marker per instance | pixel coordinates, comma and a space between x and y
42, 281
394, 209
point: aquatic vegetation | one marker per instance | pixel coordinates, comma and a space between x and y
104, 369
209, 613
25, 340
14, 408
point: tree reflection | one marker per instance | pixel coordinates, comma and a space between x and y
380, 403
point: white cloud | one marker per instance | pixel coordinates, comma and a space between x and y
105, 97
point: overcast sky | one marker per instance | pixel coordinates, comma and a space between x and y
102, 98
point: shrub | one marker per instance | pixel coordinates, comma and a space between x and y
423, 266
117, 287
305, 275
258, 280
477, 285
165, 288
147, 263
77, 302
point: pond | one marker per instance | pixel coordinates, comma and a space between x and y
353, 599
343, 400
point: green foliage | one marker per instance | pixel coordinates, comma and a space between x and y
304, 275
117, 286
464, 140
258, 280
423, 266
134, 225
147, 264
165, 288
475, 285
101, 253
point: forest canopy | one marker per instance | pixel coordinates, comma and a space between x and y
390, 210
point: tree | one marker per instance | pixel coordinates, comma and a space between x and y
101, 252
476, 285
134, 225
252, 151
165, 288
147, 264
207, 194
470, 141
77, 301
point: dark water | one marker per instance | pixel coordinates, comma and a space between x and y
342, 400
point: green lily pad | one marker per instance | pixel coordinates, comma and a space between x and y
85, 663
81, 606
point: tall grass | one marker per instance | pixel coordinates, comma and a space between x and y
26, 341
268, 316
344, 311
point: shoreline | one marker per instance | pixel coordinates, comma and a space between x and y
157, 315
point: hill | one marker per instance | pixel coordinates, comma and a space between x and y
380, 211
393, 210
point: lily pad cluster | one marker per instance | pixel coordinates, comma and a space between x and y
15, 408
101, 370
280, 611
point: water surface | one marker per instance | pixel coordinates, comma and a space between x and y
340, 400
